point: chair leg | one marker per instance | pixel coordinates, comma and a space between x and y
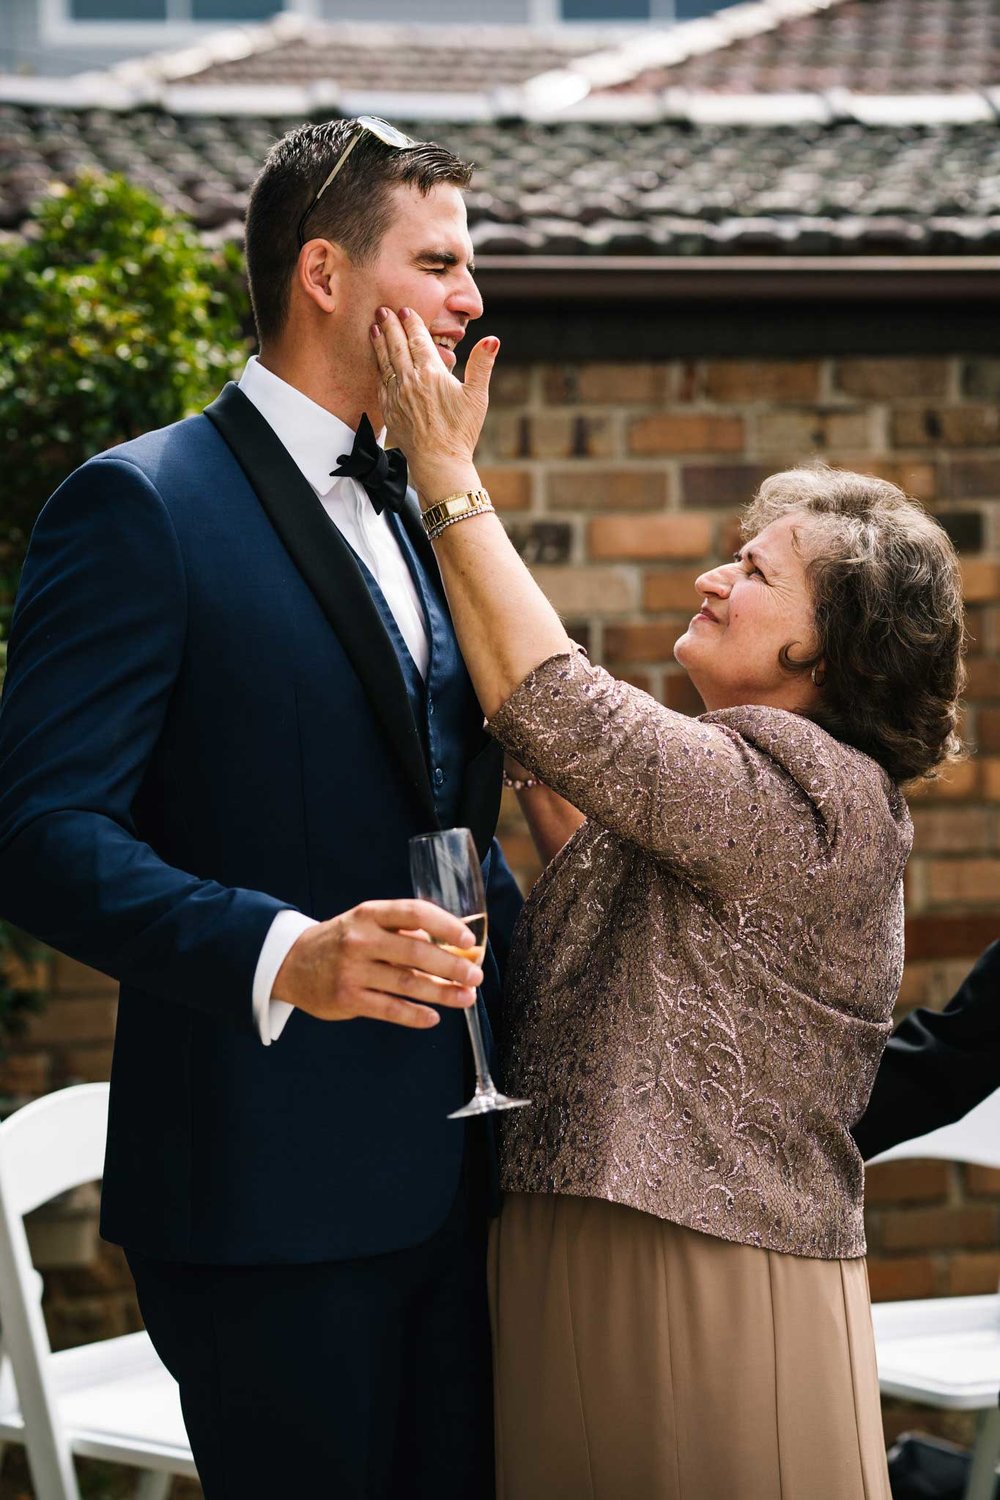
985, 1456
154, 1485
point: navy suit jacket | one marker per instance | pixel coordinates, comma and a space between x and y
204, 721
937, 1065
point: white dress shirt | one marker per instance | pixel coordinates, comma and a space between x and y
315, 439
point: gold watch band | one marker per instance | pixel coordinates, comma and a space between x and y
454, 506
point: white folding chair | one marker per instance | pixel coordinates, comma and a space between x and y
945, 1351
111, 1400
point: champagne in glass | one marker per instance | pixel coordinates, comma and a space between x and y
445, 869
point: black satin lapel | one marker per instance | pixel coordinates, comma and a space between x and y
328, 566
479, 803
410, 517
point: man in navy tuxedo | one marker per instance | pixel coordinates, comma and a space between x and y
233, 694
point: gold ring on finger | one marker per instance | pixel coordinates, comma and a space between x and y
391, 376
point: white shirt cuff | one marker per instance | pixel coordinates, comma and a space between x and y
270, 1015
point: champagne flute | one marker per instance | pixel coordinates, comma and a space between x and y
445, 869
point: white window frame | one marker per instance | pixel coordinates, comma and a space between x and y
58, 27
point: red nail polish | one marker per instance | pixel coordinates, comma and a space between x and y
375, 331
404, 313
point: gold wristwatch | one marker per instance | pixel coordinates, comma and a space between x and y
453, 507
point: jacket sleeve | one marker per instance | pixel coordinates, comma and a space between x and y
698, 795
96, 645
937, 1065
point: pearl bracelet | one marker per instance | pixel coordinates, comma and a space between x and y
475, 510
519, 784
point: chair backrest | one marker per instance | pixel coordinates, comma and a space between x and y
974, 1139
54, 1144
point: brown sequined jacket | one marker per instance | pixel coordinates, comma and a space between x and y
701, 981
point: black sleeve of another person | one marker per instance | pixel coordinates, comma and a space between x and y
937, 1065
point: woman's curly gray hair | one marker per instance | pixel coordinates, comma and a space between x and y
889, 615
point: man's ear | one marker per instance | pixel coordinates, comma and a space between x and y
320, 273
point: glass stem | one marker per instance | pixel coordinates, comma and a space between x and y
484, 1083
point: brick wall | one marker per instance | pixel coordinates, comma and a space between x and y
619, 482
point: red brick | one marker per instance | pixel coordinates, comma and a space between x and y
761, 379
899, 1279
974, 478
891, 378
981, 378
510, 385
957, 781
964, 935
606, 489
991, 778
981, 580
953, 830
87, 1064
605, 383
70, 977
558, 434
938, 1228
672, 589
589, 590
640, 537
65, 1021
721, 485
694, 433
906, 1182
26, 1074
973, 881
641, 642
988, 729
641, 680
510, 489
982, 1181
680, 694
952, 426
972, 1275
914, 477
795, 434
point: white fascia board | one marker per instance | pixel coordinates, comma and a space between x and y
963, 107
80, 91
268, 100
613, 109
414, 105
703, 107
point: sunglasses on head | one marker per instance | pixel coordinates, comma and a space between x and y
364, 125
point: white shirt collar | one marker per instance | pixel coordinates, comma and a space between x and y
314, 437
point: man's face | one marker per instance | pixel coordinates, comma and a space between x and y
425, 263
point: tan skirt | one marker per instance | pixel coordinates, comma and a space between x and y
638, 1360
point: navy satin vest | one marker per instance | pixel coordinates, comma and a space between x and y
440, 706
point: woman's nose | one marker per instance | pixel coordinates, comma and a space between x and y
717, 581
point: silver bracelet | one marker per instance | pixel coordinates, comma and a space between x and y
477, 510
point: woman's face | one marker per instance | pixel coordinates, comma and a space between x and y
752, 607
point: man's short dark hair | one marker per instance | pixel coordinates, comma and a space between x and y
355, 210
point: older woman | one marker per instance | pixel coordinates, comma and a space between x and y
702, 980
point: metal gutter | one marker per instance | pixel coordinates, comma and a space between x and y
627, 278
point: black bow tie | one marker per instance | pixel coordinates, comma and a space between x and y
382, 474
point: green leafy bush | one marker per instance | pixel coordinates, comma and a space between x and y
115, 318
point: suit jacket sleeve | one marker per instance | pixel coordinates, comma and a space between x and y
504, 902
96, 644
937, 1065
